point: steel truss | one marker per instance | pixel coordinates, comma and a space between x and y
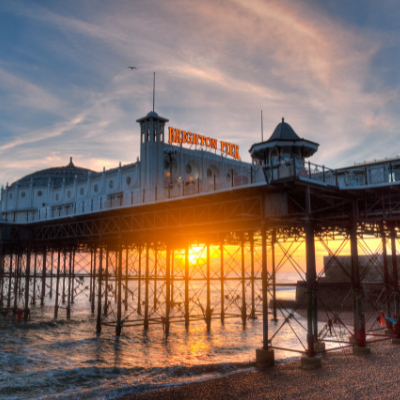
218, 257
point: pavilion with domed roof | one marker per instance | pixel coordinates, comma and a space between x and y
283, 145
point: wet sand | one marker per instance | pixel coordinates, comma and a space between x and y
342, 376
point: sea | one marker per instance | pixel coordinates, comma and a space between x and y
47, 359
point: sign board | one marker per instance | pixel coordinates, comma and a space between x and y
179, 136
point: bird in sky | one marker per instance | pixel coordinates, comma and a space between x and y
132, 67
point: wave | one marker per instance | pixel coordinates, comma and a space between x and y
91, 377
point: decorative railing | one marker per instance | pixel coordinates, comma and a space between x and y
248, 175
300, 169
351, 178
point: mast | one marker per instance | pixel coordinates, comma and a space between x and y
154, 89
262, 130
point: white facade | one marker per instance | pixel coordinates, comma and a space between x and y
164, 171
167, 171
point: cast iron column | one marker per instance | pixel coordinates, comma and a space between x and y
27, 278
98, 322
359, 322
264, 279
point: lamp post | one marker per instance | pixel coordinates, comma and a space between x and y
169, 153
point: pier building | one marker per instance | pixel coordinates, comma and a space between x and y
172, 163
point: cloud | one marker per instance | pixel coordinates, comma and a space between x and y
26, 95
218, 64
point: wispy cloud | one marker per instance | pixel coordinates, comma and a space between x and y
218, 64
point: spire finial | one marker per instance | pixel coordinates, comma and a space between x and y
283, 120
154, 89
262, 128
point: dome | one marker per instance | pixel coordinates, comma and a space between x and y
56, 175
283, 131
283, 137
154, 115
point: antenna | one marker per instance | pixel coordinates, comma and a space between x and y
262, 129
154, 89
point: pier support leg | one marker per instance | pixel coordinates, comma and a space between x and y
10, 281
27, 279
91, 276
208, 307
51, 273
106, 285
69, 286
253, 307
57, 285
168, 289
126, 278
244, 305
155, 277
119, 299
17, 273
73, 277
146, 303
359, 320
222, 285
64, 275
44, 266
94, 279
33, 302
310, 361
265, 357
172, 276
274, 318
98, 321
16, 281
187, 287
388, 296
139, 301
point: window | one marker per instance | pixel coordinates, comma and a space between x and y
96, 188
57, 196
128, 180
161, 137
209, 173
188, 169
111, 184
22, 194
82, 191
143, 137
10, 195
155, 135
69, 194
148, 135
39, 193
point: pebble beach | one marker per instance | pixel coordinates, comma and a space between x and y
342, 376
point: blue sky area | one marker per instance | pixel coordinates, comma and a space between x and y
330, 68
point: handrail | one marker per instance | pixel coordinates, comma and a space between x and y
351, 178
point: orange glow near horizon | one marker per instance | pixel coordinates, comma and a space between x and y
288, 255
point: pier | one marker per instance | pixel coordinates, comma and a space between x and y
186, 235
137, 263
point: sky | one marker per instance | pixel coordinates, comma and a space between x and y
330, 68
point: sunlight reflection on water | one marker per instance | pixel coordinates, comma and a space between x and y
43, 358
